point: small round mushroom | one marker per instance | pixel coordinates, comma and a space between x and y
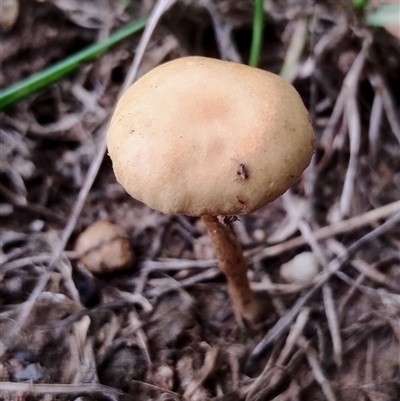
210, 138
302, 269
104, 247
9, 10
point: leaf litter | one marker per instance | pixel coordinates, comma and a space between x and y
165, 329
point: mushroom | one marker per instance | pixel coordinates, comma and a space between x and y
210, 138
104, 247
302, 269
9, 10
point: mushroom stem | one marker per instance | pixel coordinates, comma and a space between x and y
234, 266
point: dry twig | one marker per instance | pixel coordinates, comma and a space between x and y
334, 266
203, 373
159, 9
319, 375
342, 227
11, 387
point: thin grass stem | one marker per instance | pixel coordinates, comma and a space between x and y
258, 31
54, 73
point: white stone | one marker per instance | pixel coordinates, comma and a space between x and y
302, 269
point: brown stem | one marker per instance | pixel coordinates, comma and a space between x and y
233, 265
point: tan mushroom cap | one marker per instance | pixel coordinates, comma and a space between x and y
104, 247
202, 136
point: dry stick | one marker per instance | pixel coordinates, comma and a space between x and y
366, 290
392, 115
328, 134
328, 231
258, 388
85, 388
223, 33
65, 268
296, 47
149, 266
312, 358
330, 311
164, 285
374, 126
311, 173
269, 371
157, 12
273, 380
332, 38
28, 260
327, 295
354, 128
141, 337
349, 294
333, 324
233, 264
348, 86
391, 303
158, 388
171, 264
321, 343
277, 288
375, 275
365, 271
41, 284
369, 363
203, 373
235, 369
20, 201
53, 388
80, 349
334, 266
294, 335
258, 254
358, 331
314, 362
115, 305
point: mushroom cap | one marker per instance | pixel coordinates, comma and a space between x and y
104, 247
199, 136
302, 269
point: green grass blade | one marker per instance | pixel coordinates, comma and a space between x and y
359, 5
52, 74
258, 31
388, 14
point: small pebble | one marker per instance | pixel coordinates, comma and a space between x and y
32, 373
259, 235
9, 10
25, 167
302, 269
6, 209
36, 226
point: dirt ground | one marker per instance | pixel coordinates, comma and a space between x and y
164, 329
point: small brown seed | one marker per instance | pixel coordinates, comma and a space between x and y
104, 247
